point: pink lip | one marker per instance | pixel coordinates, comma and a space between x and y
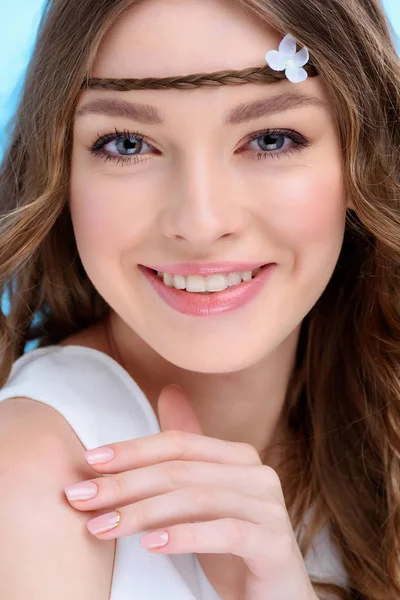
204, 305
206, 268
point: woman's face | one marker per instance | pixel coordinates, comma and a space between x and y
198, 189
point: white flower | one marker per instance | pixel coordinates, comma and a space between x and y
288, 60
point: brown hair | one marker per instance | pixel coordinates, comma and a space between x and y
343, 399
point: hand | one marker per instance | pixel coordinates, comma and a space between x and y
208, 495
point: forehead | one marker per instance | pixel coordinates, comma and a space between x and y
161, 38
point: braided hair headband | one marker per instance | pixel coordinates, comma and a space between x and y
285, 62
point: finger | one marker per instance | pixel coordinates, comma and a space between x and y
269, 558
176, 412
176, 445
250, 541
196, 503
132, 486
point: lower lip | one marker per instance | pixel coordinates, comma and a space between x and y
204, 305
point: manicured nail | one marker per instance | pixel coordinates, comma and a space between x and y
104, 522
155, 539
99, 455
81, 491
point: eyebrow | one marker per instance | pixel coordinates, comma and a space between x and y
147, 114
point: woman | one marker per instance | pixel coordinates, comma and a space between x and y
154, 140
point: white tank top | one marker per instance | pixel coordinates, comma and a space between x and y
104, 405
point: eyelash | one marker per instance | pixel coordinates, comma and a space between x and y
96, 149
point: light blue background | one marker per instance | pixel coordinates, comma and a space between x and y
18, 24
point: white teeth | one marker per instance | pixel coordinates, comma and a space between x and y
211, 283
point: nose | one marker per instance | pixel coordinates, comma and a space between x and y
203, 203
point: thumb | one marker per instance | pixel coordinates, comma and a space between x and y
176, 412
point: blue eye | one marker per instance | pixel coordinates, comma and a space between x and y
132, 144
129, 145
269, 138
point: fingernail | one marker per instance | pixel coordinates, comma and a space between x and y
155, 539
104, 522
99, 455
81, 491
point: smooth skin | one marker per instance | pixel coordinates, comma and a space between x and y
209, 495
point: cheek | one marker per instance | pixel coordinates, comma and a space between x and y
311, 215
102, 218
307, 223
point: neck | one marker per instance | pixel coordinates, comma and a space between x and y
244, 406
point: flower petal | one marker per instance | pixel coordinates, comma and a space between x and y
275, 60
296, 75
287, 47
301, 57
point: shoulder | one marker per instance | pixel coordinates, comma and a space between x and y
94, 337
62, 374
37, 426
39, 455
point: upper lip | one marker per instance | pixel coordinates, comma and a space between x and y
206, 268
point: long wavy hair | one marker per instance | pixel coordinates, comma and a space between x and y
343, 398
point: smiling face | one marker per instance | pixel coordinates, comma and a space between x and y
192, 187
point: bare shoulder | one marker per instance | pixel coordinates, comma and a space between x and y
46, 550
94, 337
